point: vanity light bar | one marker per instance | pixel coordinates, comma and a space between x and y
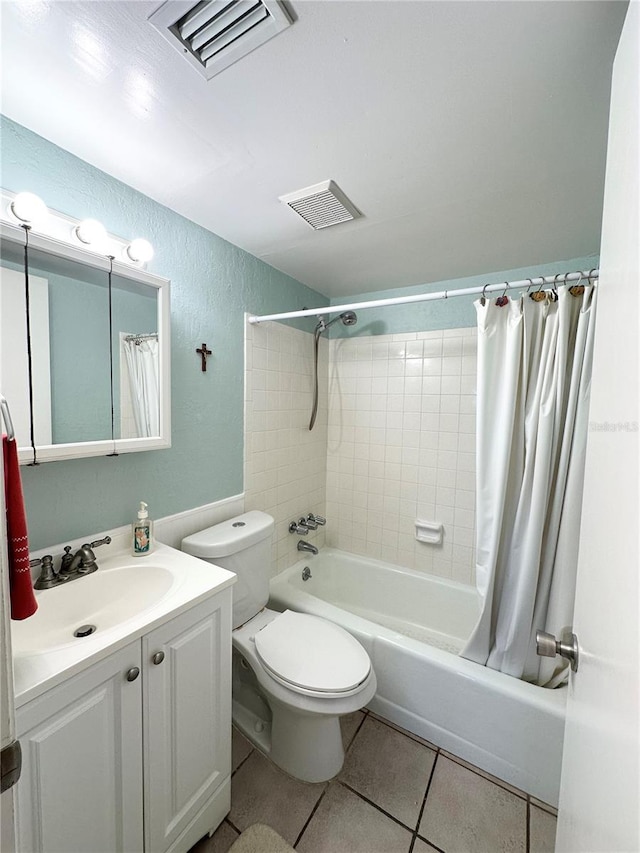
27, 209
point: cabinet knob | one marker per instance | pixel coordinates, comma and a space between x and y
158, 658
133, 673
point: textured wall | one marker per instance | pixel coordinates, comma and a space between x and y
212, 284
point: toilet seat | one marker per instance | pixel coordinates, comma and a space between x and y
311, 655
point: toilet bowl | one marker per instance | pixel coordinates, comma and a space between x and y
300, 730
294, 675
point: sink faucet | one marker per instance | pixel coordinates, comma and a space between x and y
307, 546
83, 562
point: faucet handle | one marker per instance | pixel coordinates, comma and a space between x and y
310, 523
105, 541
317, 519
299, 528
48, 576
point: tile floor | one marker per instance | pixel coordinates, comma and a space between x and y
396, 794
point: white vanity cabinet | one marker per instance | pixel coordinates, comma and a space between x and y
186, 668
114, 761
80, 790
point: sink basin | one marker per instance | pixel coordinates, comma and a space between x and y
122, 601
104, 599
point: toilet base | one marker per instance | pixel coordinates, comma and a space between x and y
308, 747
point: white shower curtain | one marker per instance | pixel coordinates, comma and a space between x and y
534, 377
142, 364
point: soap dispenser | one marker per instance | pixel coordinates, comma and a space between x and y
142, 533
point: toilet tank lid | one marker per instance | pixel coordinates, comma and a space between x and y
231, 536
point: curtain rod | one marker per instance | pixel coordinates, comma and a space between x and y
141, 337
559, 279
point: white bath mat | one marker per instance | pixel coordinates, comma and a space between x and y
260, 838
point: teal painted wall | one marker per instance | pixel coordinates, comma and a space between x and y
212, 284
440, 314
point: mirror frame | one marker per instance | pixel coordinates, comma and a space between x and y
81, 449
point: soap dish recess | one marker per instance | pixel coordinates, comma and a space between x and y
429, 531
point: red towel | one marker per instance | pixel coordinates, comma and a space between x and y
23, 600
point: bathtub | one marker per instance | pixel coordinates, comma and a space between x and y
413, 625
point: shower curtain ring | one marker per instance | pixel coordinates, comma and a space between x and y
577, 289
554, 287
502, 300
483, 298
591, 271
538, 295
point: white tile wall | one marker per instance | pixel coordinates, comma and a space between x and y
396, 443
285, 463
401, 446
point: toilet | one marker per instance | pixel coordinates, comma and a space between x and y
294, 675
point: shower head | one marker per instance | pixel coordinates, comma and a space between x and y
349, 318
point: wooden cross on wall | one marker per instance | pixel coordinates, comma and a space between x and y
203, 352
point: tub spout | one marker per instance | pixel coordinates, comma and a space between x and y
307, 546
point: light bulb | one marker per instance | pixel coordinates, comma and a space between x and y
139, 251
29, 208
92, 233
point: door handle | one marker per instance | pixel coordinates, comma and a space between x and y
567, 646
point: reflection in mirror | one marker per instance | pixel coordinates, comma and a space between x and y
69, 310
136, 359
76, 298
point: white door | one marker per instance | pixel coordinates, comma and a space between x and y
600, 796
7, 715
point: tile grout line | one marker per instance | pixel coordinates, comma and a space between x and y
357, 731
375, 805
244, 760
233, 826
365, 714
483, 774
308, 820
424, 802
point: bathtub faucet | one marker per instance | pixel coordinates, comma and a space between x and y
307, 546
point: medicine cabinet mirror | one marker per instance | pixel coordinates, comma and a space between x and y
100, 350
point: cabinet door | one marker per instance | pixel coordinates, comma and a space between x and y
81, 785
187, 719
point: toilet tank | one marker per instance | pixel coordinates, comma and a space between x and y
243, 546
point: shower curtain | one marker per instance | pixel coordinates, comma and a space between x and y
534, 376
142, 364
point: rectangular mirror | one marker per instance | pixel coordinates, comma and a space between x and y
82, 374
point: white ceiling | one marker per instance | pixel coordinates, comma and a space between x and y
471, 135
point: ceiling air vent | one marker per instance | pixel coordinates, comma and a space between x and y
214, 34
322, 205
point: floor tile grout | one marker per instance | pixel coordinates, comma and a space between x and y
233, 826
375, 805
245, 759
437, 752
424, 802
483, 774
308, 820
